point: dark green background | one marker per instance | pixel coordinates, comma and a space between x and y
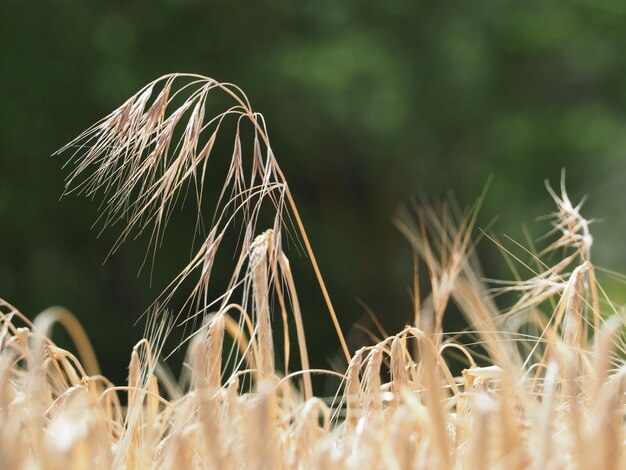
367, 104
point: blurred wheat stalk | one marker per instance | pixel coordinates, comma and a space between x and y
554, 399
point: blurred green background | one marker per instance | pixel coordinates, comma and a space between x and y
367, 103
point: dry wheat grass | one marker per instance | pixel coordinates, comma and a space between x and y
550, 399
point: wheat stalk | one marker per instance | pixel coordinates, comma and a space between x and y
549, 400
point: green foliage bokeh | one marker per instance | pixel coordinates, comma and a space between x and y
367, 103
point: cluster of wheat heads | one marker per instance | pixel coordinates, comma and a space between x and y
543, 384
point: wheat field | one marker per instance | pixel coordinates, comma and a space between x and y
542, 381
